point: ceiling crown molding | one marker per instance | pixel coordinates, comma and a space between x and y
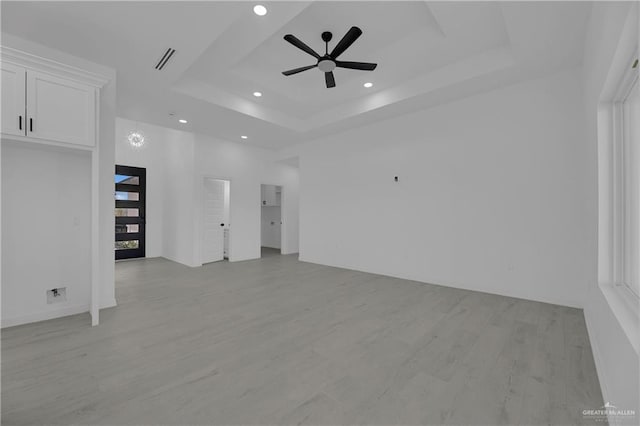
24, 59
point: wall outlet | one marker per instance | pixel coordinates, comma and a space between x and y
56, 295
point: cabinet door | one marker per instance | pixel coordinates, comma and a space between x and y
13, 99
60, 110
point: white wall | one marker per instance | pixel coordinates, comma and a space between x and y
179, 182
107, 151
616, 358
290, 206
246, 167
46, 223
150, 156
168, 156
271, 234
179, 161
490, 197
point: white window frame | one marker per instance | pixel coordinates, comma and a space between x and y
623, 302
622, 194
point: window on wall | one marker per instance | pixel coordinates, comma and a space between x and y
627, 182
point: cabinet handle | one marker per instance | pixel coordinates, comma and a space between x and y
20, 122
31, 124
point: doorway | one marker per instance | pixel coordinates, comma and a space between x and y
271, 220
130, 194
215, 220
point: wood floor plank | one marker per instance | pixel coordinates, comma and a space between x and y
278, 341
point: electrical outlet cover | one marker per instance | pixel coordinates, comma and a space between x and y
56, 295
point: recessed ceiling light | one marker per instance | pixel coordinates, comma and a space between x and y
244, 137
367, 85
257, 94
183, 121
259, 10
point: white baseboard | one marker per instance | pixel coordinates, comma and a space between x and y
110, 303
600, 367
489, 290
56, 313
43, 316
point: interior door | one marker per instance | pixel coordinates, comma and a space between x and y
13, 99
213, 225
130, 212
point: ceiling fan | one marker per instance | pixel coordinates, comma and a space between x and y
329, 62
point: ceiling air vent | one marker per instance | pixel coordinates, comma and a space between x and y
165, 58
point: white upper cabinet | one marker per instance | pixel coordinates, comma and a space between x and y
60, 110
46, 107
13, 101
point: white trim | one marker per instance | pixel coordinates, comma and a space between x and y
628, 185
43, 316
619, 166
617, 286
624, 306
597, 358
111, 302
48, 142
617, 189
578, 304
611, 186
620, 302
95, 238
95, 217
28, 60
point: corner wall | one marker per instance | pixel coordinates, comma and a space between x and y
177, 162
617, 361
106, 201
46, 224
247, 168
490, 194
151, 157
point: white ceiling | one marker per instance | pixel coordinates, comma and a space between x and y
427, 53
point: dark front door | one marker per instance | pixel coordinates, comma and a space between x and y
130, 211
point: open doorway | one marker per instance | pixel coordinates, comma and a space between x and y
271, 220
215, 223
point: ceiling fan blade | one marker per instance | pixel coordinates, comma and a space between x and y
365, 66
348, 39
297, 70
328, 78
300, 45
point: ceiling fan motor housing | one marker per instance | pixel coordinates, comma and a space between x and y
326, 65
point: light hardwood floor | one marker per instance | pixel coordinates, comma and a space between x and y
278, 341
